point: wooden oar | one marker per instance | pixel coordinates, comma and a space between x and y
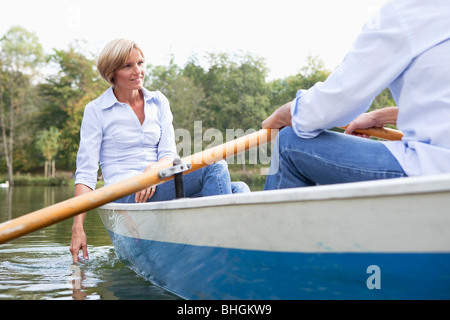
383, 133
50, 215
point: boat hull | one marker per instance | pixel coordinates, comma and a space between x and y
382, 240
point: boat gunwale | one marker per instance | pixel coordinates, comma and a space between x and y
354, 190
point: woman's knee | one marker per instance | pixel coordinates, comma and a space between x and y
239, 187
220, 167
236, 186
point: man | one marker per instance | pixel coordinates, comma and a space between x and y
406, 47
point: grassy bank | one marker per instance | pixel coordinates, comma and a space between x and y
27, 179
251, 175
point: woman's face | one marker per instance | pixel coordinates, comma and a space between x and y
131, 75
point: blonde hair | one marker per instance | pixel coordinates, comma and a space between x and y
113, 57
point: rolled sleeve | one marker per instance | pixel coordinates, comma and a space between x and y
296, 114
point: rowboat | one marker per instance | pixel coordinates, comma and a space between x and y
387, 239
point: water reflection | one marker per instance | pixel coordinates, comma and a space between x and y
39, 265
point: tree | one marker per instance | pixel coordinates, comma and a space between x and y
21, 54
187, 99
64, 95
236, 94
284, 90
75, 75
236, 91
384, 99
48, 143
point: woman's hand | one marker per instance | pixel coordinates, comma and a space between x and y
79, 242
143, 195
79, 239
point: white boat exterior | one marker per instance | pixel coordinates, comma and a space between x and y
387, 239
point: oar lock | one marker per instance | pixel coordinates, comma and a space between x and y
177, 171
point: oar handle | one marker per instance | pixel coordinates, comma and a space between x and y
383, 133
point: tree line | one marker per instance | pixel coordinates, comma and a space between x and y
42, 97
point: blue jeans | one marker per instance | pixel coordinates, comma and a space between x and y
329, 158
207, 181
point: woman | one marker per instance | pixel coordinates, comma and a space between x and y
128, 129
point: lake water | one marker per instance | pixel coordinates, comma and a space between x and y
38, 266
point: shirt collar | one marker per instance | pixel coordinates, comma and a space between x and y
109, 99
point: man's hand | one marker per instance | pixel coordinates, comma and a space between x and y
279, 119
377, 118
363, 121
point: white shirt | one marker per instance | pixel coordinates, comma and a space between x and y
112, 135
406, 47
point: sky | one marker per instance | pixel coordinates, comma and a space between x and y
282, 32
